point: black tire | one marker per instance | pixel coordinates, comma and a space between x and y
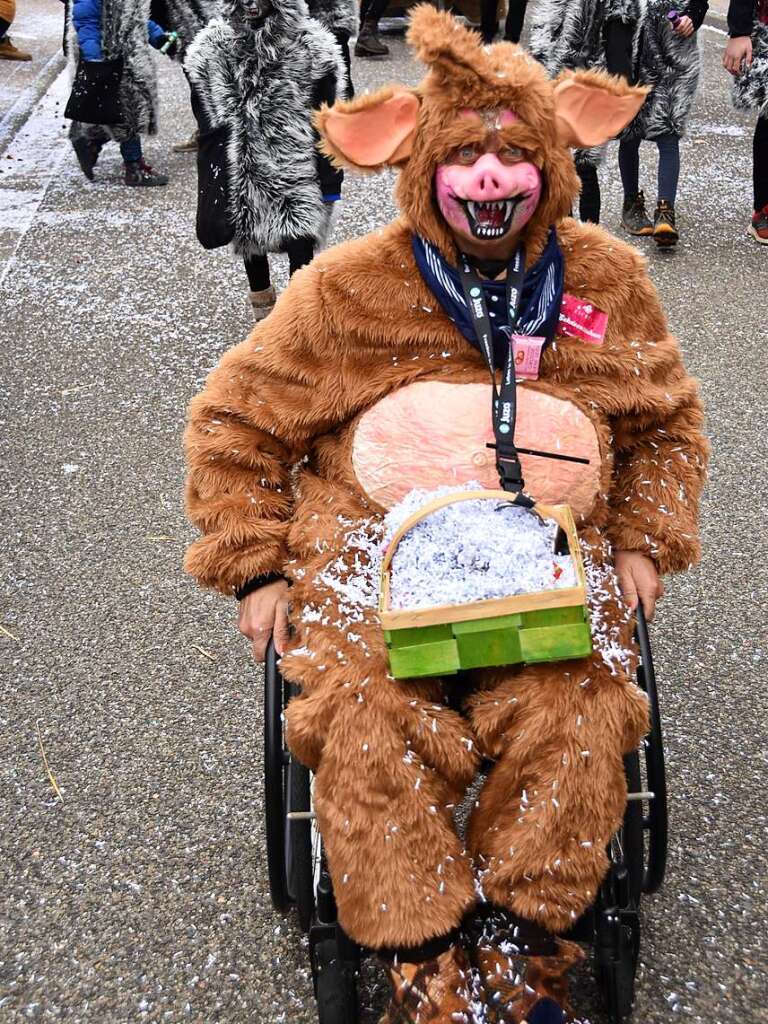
298, 844
274, 783
632, 833
335, 987
656, 824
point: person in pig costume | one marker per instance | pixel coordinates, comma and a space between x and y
366, 382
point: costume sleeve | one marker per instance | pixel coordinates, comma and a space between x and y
697, 12
741, 17
250, 426
86, 17
660, 450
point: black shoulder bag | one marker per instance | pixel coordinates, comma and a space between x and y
95, 97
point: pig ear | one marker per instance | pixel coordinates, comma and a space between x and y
372, 131
593, 107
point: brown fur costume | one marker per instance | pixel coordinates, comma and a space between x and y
272, 487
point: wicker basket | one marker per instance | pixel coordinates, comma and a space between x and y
547, 625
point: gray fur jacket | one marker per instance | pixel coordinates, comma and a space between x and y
338, 16
253, 94
124, 34
750, 88
671, 66
187, 17
571, 34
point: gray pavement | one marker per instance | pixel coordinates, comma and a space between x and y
141, 896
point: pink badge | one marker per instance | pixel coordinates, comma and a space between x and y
527, 355
580, 319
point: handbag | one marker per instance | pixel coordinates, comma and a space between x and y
95, 96
214, 224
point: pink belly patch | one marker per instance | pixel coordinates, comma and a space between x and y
432, 434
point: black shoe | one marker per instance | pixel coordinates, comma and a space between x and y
138, 174
664, 231
368, 43
634, 217
87, 154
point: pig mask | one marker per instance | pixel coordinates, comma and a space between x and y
482, 144
488, 190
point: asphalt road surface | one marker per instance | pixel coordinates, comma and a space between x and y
140, 895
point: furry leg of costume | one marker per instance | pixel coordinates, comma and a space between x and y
391, 762
557, 791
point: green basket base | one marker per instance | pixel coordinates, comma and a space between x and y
551, 634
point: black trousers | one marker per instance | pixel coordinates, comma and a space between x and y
300, 252
489, 19
589, 200
4, 26
760, 163
373, 9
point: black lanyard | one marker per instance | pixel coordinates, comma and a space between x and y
505, 397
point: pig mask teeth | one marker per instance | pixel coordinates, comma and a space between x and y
490, 220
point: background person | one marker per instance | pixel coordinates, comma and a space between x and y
103, 30
670, 63
7, 50
746, 58
601, 34
369, 43
513, 26
257, 74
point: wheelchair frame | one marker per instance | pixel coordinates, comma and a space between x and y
298, 874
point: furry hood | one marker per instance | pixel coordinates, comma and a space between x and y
425, 122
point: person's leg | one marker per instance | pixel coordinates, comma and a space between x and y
300, 252
390, 759
7, 49
758, 227
665, 232
262, 295
489, 19
513, 27
589, 200
138, 173
557, 791
634, 217
368, 43
4, 26
87, 141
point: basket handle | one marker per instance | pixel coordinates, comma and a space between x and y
543, 511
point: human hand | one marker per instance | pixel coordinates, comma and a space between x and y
738, 54
684, 27
262, 614
639, 580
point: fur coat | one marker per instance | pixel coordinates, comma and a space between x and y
258, 89
750, 88
570, 34
671, 66
187, 17
338, 16
124, 34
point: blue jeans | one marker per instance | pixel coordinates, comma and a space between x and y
669, 166
131, 150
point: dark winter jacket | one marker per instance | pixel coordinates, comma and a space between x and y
671, 66
86, 17
741, 17
111, 29
261, 179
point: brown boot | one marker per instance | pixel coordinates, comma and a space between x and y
434, 992
262, 303
526, 989
10, 52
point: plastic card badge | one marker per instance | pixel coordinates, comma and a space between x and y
527, 355
580, 319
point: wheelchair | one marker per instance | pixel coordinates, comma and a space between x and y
299, 878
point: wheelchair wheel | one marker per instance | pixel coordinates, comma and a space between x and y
299, 842
335, 986
275, 764
656, 822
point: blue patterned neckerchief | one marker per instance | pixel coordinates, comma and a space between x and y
539, 308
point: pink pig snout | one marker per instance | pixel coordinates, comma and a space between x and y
489, 180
